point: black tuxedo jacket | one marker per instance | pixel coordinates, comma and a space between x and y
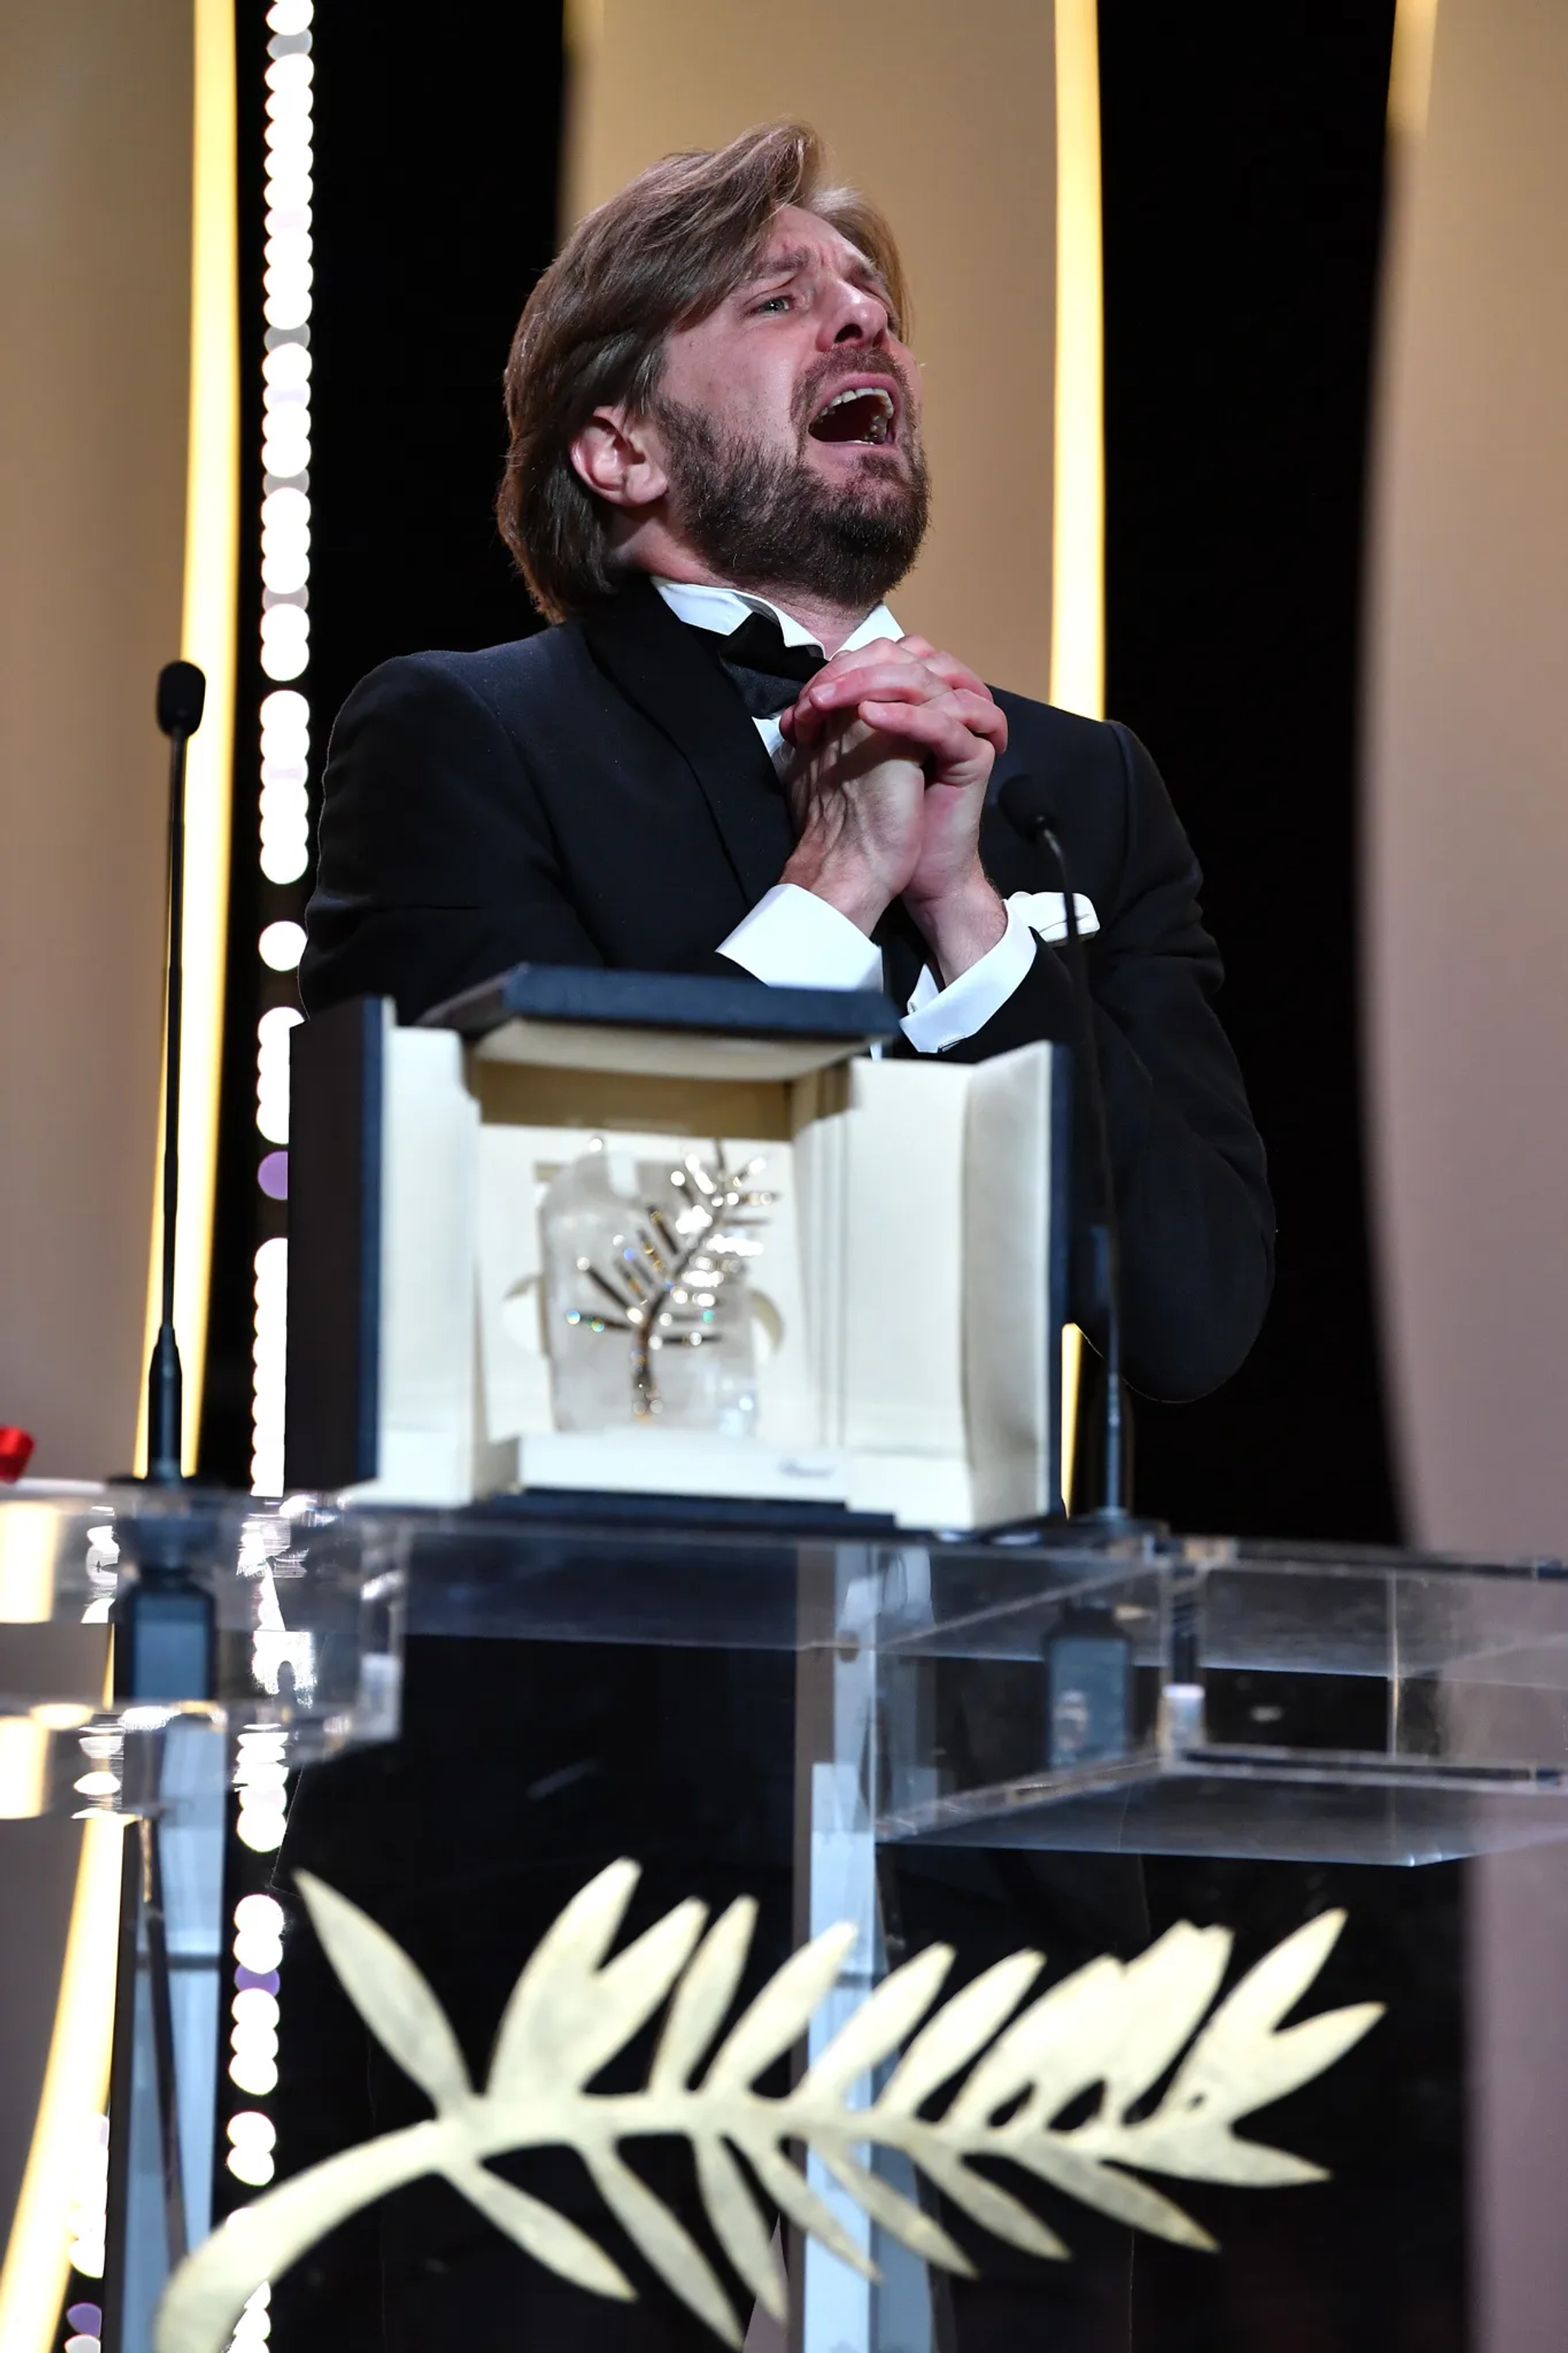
597, 794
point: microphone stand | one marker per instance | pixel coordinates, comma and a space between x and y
165, 1657
1111, 1515
165, 1639
165, 1378
1110, 1518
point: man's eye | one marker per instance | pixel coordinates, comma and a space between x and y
774, 302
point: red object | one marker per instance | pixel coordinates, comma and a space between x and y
16, 1447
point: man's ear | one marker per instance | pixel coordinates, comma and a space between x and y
614, 455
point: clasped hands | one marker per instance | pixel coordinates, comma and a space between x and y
894, 745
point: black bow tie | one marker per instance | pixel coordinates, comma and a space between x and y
768, 673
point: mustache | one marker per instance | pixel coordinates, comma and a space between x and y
834, 367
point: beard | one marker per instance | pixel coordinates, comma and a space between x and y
763, 520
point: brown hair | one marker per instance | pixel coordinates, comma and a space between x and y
663, 253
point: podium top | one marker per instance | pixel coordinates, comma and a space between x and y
1198, 1695
706, 1002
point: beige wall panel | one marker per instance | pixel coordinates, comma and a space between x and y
945, 115
95, 171
1468, 766
1467, 888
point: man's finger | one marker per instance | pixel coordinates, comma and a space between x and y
958, 674
856, 657
976, 714
905, 681
953, 727
836, 686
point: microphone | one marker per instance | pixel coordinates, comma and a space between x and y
182, 694
182, 698
1025, 803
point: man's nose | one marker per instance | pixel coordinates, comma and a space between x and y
856, 315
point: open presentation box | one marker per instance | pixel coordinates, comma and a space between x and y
903, 1296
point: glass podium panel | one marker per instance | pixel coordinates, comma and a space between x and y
1195, 1697
306, 1606
1242, 1728
298, 1615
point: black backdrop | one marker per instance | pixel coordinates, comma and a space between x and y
1243, 183
1243, 170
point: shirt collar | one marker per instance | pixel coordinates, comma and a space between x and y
723, 610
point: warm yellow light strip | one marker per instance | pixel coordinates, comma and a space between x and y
207, 639
1078, 585
1072, 1376
1078, 533
76, 2089
1410, 66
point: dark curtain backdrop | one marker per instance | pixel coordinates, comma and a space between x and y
1242, 179
1243, 188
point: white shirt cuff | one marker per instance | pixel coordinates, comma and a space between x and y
791, 939
938, 1017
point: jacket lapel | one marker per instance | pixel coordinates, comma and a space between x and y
664, 668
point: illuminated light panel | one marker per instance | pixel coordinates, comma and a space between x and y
1078, 508
254, 2010
284, 654
206, 638
1410, 66
267, 1352
253, 2036
261, 1780
282, 945
285, 769
60, 2214
89, 2213
272, 1071
1077, 582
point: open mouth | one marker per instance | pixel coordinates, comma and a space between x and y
861, 411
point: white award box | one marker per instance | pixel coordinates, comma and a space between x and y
889, 1339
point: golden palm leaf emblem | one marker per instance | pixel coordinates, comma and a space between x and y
1120, 2028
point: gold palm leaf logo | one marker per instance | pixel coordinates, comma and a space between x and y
1118, 2027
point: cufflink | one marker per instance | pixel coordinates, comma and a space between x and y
1045, 912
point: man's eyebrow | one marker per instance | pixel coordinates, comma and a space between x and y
780, 265
789, 264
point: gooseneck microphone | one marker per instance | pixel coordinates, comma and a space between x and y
1025, 803
182, 694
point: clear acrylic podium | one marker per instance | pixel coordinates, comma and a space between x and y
1198, 1697
308, 1623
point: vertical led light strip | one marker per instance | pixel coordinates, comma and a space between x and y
285, 654
206, 638
1410, 67
1077, 511
1078, 585
65, 2163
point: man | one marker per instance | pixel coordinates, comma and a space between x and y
725, 753
715, 477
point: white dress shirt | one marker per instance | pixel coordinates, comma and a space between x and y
792, 939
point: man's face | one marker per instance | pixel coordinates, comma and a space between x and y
811, 324
789, 420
